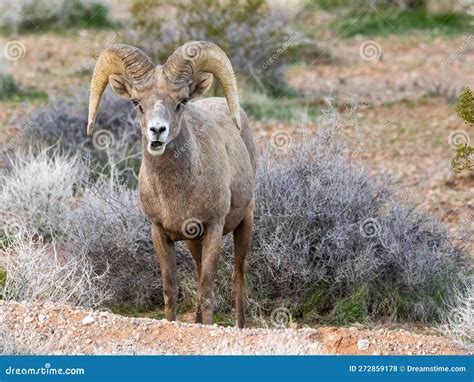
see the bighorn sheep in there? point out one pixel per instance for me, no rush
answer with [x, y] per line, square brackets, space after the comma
[197, 175]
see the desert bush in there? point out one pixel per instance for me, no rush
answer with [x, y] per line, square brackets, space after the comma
[8, 86]
[115, 148]
[42, 271]
[64, 122]
[38, 15]
[459, 320]
[464, 152]
[37, 191]
[258, 38]
[465, 107]
[333, 242]
[400, 20]
[109, 228]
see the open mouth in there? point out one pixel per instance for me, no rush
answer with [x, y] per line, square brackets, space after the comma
[156, 145]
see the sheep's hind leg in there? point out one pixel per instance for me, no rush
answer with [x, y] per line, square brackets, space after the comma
[211, 247]
[165, 251]
[242, 239]
[195, 247]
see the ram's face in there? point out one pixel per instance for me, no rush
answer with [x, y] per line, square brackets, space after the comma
[159, 109]
[159, 105]
[160, 92]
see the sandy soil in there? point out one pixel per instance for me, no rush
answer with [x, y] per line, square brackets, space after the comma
[389, 69]
[57, 329]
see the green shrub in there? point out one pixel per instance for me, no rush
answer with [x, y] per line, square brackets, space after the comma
[394, 21]
[3, 281]
[465, 108]
[463, 158]
[351, 309]
[24, 16]
[8, 86]
[464, 153]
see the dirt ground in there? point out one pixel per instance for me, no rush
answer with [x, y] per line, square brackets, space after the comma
[59, 329]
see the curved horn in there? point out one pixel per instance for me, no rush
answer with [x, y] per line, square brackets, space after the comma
[204, 56]
[116, 59]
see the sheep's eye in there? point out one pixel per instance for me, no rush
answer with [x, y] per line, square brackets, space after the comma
[184, 101]
[137, 105]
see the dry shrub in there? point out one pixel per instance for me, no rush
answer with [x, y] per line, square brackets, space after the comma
[459, 320]
[37, 191]
[335, 243]
[40, 271]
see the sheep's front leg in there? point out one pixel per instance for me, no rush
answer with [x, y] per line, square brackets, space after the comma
[165, 251]
[195, 247]
[211, 247]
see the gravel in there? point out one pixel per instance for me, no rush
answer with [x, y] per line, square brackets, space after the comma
[61, 329]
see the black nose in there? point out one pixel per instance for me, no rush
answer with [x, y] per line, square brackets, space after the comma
[157, 130]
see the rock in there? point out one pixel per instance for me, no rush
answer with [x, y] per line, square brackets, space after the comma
[28, 319]
[363, 344]
[41, 317]
[88, 320]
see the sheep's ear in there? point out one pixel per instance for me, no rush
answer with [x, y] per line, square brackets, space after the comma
[201, 84]
[121, 86]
